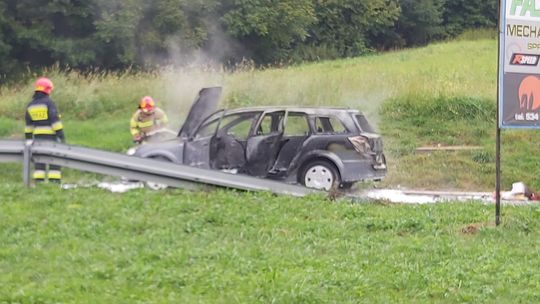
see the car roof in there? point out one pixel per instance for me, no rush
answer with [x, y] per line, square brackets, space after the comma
[307, 110]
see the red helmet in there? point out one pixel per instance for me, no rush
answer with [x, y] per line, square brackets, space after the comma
[147, 104]
[44, 85]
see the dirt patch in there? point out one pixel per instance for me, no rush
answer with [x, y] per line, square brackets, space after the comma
[472, 228]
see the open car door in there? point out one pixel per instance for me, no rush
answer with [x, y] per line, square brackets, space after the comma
[227, 147]
[197, 147]
[263, 146]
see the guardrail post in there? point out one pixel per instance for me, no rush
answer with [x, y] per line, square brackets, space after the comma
[27, 159]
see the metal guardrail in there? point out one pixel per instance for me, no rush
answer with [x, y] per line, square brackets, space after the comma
[11, 151]
[110, 163]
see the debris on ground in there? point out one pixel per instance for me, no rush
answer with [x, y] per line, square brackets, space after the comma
[440, 147]
[430, 197]
[121, 187]
[519, 192]
[471, 229]
[117, 187]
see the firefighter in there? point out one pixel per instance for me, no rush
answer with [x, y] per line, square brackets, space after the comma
[147, 120]
[43, 123]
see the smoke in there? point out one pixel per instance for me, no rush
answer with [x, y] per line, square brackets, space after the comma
[369, 102]
[196, 53]
[188, 70]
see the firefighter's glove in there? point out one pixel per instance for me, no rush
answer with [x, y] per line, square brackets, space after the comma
[137, 139]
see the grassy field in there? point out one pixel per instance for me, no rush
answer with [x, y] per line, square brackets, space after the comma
[87, 245]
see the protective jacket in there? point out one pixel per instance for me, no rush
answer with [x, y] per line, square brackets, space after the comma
[143, 123]
[42, 119]
[43, 123]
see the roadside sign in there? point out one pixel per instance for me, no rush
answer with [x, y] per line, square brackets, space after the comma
[519, 64]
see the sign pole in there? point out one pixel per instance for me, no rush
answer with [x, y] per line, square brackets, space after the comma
[498, 182]
[498, 133]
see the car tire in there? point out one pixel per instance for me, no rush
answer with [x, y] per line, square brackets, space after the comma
[320, 174]
[154, 185]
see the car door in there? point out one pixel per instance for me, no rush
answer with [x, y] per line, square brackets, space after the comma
[197, 148]
[227, 147]
[263, 146]
[295, 133]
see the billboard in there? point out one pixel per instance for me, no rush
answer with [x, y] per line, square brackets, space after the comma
[519, 66]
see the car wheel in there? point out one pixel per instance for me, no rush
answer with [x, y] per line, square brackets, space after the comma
[154, 185]
[321, 175]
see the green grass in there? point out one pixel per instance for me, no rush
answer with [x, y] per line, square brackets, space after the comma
[88, 245]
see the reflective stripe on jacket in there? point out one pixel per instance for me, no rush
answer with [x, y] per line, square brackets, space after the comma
[142, 123]
[42, 117]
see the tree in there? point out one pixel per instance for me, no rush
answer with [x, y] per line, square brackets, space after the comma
[344, 27]
[6, 61]
[46, 32]
[460, 15]
[115, 34]
[268, 29]
[421, 21]
[171, 30]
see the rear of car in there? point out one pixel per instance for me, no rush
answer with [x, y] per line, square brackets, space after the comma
[369, 162]
[373, 145]
[342, 149]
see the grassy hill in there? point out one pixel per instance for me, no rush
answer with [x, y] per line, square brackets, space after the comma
[441, 94]
[90, 246]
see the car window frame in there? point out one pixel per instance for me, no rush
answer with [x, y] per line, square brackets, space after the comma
[329, 116]
[209, 120]
[263, 114]
[242, 116]
[306, 117]
[364, 126]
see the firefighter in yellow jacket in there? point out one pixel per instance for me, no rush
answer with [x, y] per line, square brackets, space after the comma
[147, 120]
[43, 123]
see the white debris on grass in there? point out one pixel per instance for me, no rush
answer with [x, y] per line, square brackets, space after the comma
[431, 197]
[121, 187]
[398, 196]
[390, 195]
[117, 187]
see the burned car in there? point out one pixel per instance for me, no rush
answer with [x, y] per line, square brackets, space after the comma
[317, 147]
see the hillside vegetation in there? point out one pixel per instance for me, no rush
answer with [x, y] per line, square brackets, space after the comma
[87, 245]
[441, 94]
[116, 34]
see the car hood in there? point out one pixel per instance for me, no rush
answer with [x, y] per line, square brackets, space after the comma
[205, 104]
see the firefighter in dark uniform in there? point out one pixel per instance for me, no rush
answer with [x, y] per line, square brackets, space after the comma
[43, 123]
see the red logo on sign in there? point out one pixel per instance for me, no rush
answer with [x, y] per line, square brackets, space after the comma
[529, 93]
[524, 59]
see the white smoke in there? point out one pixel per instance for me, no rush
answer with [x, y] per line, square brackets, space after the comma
[188, 70]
